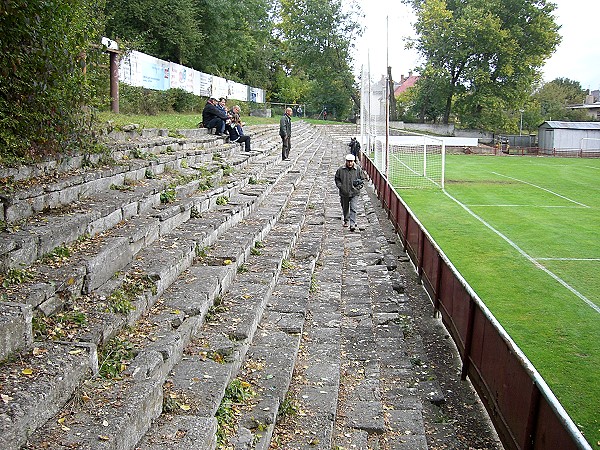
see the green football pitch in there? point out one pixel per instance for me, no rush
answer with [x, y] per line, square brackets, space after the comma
[525, 234]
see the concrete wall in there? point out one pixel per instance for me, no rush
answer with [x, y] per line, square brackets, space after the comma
[443, 130]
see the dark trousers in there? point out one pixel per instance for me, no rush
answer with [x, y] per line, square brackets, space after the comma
[285, 149]
[349, 205]
[244, 140]
[216, 123]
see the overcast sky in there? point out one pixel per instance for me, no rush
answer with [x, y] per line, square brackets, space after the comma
[577, 57]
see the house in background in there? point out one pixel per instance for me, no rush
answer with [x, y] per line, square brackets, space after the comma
[591, 105]
[405, 83]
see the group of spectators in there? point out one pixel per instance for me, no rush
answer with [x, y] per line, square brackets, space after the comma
[216, 116]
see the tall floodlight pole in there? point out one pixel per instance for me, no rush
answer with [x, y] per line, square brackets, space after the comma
[521, 125]
[387, 100]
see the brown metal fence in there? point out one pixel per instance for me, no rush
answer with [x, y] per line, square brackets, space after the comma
[525, 413]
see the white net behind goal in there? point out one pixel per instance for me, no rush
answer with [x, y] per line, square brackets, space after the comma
[416, 162]
[589, 147]
[407, 161]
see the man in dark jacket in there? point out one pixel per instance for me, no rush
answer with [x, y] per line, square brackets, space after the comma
[349, 179]
[213, 117]
[285, 131]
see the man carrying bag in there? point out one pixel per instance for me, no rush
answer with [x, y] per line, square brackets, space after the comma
[349, 179]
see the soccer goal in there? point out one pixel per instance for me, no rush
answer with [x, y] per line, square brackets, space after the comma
[589, 148]
[416, 162]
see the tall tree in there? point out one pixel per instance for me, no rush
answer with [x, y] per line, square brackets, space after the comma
[163, 29]
[489, 52]
[554, 97]
[318, 36]
[43, 50]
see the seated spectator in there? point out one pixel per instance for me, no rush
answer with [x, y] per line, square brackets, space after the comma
[235, 115]
[213, 117]
[236, 132]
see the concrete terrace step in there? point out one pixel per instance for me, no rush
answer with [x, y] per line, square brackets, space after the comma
[164, 273]
[102, 186]
[53, 286]
[101, 325]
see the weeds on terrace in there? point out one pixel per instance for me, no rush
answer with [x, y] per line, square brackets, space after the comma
[140, 154]
[121, 300]
[205, 185]
[227, 170]
[114, 357]
[16, 276]
[173, 402]
[202, 252]
[236, 394]
[168, 195]
[184, 163]
[242, 268]
[195, 213]
[222, 200]
[288, 408]
[216, 308]
[149, 174]
[121, 187]
[286, 264]
[63, 325]
[314, 286]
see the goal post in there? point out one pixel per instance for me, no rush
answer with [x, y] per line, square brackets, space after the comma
[409, 161]
[589, 147]
[417, 162]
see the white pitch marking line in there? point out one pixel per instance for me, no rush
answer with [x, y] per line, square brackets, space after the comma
[525, 255]
[543, 189]
[523, 206]
[567, 259]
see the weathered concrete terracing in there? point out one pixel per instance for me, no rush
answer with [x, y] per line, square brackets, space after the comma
[182, 294]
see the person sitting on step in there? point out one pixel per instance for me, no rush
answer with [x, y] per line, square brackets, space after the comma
[213, 117]
[236, 132]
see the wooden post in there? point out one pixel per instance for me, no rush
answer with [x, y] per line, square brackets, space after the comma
[114, 80]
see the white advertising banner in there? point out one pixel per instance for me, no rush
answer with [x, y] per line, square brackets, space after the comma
[219, 87]
[205, 82]
[257, 95]
[182, 77]
[237, 91]
[139, 69]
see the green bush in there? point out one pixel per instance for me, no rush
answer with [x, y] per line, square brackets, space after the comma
[138, 100]
[43, 85]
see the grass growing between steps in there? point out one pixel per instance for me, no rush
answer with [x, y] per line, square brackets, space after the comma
[171, 121]
[237, 393]
[177, 121]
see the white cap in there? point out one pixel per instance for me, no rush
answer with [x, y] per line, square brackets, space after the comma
[349, 157]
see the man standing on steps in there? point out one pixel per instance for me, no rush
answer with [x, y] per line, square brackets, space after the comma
[349, 179]
[285, 131]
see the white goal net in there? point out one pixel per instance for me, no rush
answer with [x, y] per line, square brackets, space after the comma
[589, 147]
[411, 161]
[416, 162]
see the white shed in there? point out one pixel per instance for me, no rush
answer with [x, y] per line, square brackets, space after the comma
[568, 136]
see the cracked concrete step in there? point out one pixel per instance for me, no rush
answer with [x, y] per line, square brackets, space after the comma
[94, 206]
[35, 386]
[150, 404]
[104, 334]
[221, 346]
[314, 388]
[84, 274]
